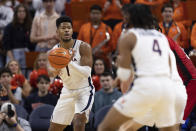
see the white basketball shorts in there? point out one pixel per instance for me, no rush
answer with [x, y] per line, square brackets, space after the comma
[72, 102]
[152, 101]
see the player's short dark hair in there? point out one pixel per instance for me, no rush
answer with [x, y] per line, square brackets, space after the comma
[167, 5]
[140, 16]
[105, 74]
[5, 70]
[63, 19]
[96, 7]
[45, 77]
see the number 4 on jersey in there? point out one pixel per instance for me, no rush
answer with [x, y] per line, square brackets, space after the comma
[156, 47]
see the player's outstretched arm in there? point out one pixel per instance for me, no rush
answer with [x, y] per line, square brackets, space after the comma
[126, 44]
[86, 55]
[85, 62]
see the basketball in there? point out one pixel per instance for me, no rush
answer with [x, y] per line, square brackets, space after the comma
[59, 58]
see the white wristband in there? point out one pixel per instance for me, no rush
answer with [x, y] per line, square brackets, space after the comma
[123, 73]
[83, 70]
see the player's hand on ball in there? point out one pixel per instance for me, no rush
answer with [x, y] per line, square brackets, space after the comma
[59, 58]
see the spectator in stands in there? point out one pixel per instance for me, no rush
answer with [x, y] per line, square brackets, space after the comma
[43, 31]
[42, 96]
[112, 11]
[99, 67]
[173, 29]
[118, 29]
[10, 121]
[12, 3]
[18, 78]
[193, 36]
[9, 92]
[38, 6]
[40, 67]
[179, 14]
[96, 33]
[107, 95]
[14, 67]
[6, 16]
[59, 6]
[41, 61]
[17, 36]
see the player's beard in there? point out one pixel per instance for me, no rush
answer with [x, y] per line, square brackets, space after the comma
[67, 40]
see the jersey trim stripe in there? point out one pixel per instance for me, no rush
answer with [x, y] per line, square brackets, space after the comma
[134, 64]
[91, 94]
[74, 43]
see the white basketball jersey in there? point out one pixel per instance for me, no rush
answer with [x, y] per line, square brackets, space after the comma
[71, 79]
[150, 56]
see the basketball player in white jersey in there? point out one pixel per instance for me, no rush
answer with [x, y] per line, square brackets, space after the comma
[181, 98]
[152, 99]
[77, 95]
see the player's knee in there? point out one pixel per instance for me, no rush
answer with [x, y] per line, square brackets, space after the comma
[79, 121]
[56, 127]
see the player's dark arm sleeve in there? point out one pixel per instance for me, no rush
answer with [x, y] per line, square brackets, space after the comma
[184, 63]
